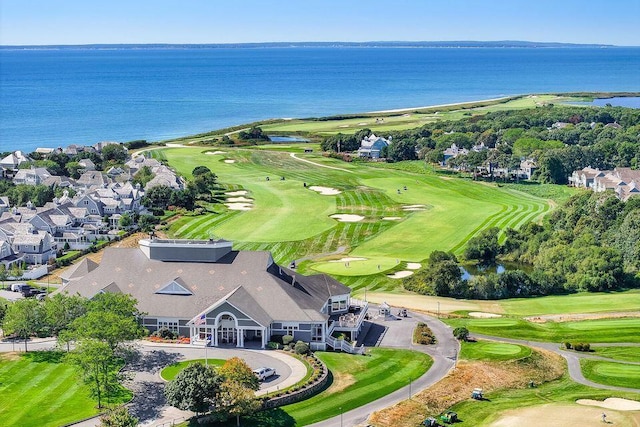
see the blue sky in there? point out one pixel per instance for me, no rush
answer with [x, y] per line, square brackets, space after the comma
[24, 22]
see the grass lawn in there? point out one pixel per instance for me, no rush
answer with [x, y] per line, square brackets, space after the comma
[484, 413]
[584, 302]
[174, 369]
[589, 331]
[625, 354]
[358, 380]
[610, 373]
[40, 389]
[494, 351]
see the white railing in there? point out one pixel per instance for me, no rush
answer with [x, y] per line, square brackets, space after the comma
[339, 344]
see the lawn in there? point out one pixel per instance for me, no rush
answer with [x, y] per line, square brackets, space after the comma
[625, 354]
[494, 351]
[358, 380]
[44, 390]
[562, 391]
[293, 221]
[174, 369]
[588, 331]
[610, 373]
[591, 302]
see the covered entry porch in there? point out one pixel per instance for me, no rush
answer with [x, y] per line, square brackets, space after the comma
[225, 329]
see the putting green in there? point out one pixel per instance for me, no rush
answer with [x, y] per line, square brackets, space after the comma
[356, 268]
[611, 373]
[487, 350]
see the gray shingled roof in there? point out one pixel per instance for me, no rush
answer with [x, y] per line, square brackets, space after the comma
[260, 288]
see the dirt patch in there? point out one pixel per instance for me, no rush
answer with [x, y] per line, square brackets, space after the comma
[581, 316]
[340, 382]
[483, 315]
[11, 356]
[612, 403]
[457, 386]
[563, 415]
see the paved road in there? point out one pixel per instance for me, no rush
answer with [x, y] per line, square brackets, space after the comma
[399, 335]
[572, 358]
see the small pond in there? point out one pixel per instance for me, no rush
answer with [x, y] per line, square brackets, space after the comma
[471, 270]
[282, 138]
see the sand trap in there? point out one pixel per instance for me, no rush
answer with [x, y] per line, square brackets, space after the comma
[174, 145]
[560, 416]
[349, 258]
[215, 153]
[325, 191]
[229, 161]
[239, 200]
[363, 124]
[413, 265]
[236, 193]
[612, 403]
[400, 274]
[414, 207]
[483, 315]
[343, 126]
[239, 206]
[392, 218]
[347, 217]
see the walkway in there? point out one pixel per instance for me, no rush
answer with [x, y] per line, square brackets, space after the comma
[572, 358]
[399, 334]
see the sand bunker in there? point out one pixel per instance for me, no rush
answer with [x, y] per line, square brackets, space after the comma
[229, 161]
[347, 217]
[414, 207]
[215, 153]
[363, 124]
[483, 315]
[236, 193]
[612, 403]
[239, 200]
[391, 218]
[561, 415]
[349, 258]
[400, 274]
[168, 144]
[239, 206]
[413, 265]
[325, 191]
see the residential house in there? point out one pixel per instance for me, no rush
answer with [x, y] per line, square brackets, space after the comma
[527, 168]
[453, 152]
[371, 146]
[11, 163]
[625, 182]
[219, 297]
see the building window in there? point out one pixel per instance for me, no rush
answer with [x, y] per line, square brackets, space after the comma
[339, 304]
[290, 329]
[316, 333]
[171, 325]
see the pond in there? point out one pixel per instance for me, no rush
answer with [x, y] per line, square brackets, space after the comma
[284, 138]
[471, 270]
[618, 101]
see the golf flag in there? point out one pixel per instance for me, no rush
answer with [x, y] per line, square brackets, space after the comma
[201, 319]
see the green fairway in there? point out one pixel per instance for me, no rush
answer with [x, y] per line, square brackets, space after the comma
[398, 224]
[610, 373]
[487, 350]
[575, 303]
[174, 369]
[625, 354]
[39, 389]
[358, 380]
[562, 391]
[589, 331]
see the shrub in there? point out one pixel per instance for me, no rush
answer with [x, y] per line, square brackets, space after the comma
[567, 345]
[577, 346]
[287, 339]
[586, 347]
[166, 334]
[273, 345]
[301, 347]
[461, 333]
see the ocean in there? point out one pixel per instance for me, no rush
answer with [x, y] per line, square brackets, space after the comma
[51, 98]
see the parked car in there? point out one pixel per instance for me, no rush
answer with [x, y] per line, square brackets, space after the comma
[264, 373]
[17, 287]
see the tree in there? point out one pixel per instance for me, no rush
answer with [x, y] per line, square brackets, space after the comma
[125, 220]
[143, 176]
[118, 417]
[195, 388]
[73, 169]
[147, 222]
[23, 318]
[461, 333]
[484, 247]
[98, 365]
[237, 370]
[114, 153]
[158, 197]
[4, 274]
[404, 149]
[235, 399]
[61, 310]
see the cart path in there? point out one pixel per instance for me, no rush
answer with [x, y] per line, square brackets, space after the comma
[572, 358]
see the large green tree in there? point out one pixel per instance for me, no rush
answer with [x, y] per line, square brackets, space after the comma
[196, 388]
[24, 318]
[98, 365]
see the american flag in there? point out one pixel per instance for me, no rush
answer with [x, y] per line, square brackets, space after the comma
[201, 319]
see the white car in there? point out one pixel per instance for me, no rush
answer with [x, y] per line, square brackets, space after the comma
[264, 373]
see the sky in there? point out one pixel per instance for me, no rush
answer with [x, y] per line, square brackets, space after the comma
[42, 22]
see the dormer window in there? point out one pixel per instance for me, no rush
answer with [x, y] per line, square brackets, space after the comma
[174, 288]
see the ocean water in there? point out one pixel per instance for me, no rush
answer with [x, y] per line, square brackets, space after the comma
[52, 98]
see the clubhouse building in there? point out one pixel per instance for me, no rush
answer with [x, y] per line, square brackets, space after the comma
[205, 290]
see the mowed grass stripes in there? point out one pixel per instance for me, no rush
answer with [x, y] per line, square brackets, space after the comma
[38, 389]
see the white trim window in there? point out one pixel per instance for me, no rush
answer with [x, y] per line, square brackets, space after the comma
[171, 325]
[290, 329]
[339, 303]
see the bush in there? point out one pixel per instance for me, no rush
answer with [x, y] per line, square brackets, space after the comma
[577, 346]
[273, 345]
[166, 334]
[301, 347]
[586, 347]
[461, 333]
[287, 339]
[567, 345]
[423, 334]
